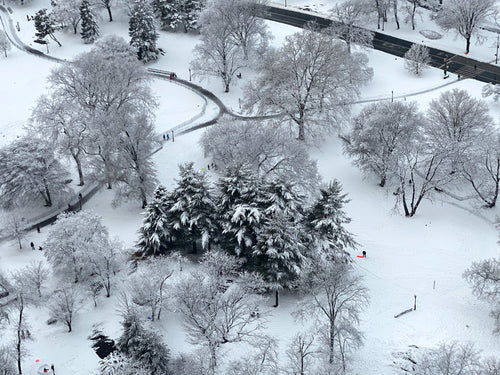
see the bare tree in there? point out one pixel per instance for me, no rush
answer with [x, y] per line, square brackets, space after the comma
[491, 89]
[351, 14]
[465, 17]
[490, 366]
[484, 278]
[7, 360]
[420, 171]
[65, 303]
[110, 89]
[218, 54]
[31, 170]
[215, 313]
[58, 119]
[248, 30]
[66, 13]
[417, 58]
[263, 361]
[456, 121]
[4, 43]
[412, 9]
[310, 80]
[395, 11]
[148, 284]
[17, 308]
[481, 168]
[449, 359]
[378, 135]
[15, 227]
[381, 7]
[336, 296]
[301, 353]
[107, 4]
[267, 148]
[31, 279]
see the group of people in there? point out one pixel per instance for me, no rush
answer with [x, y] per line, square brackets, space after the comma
[33, 246]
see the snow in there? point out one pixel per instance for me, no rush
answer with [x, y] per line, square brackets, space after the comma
[404, 256]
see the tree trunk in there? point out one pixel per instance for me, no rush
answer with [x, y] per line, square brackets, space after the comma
[79, 168]
[382, 180]
[108, 8]
[48, 199]
[467, 45]
[331, 343]
[213, 358]
[144, 198]
[302, 136]
[276, 298]
[395, 8]
[69, 326]
[19, 338]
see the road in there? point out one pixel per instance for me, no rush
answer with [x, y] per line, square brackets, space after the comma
[466, 67]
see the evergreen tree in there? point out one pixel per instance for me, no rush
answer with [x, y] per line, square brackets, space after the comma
[325, 220]
[44, 25]
[168, 12]
[90, 28]
[190, 13]
[279, 251]
[143, 346]
[193, 207]
[142, 31]
[239, 211]
[155, 235]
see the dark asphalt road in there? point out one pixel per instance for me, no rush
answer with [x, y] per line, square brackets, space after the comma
[466, 67]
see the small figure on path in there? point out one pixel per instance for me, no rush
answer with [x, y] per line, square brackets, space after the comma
[38, 228]
[40, 248]
[53, 370]
[238, 75]
[475, 67]
[32, 246]
[364, 254]
[163, 136]
[168, 138]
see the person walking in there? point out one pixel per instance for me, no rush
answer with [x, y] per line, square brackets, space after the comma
[32, 246]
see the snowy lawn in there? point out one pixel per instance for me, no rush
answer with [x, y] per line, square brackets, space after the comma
[405, 256]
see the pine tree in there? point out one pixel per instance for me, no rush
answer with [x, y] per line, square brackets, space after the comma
[90, 28]
[155, 235]
[143, 346]
[279, 251]
[325, 220]
[167, 11]
[190, 14]
[239, 210]
[193, 208]
[142, 31]
[44, 25]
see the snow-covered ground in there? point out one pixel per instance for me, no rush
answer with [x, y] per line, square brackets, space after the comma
[405, 256]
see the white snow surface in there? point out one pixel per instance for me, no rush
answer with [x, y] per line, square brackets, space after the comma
[404, 256]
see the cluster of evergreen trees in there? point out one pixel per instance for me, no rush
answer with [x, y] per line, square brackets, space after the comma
[266, 223]
[178, 13]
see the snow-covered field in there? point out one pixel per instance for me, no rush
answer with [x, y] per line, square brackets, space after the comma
[405, 256]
